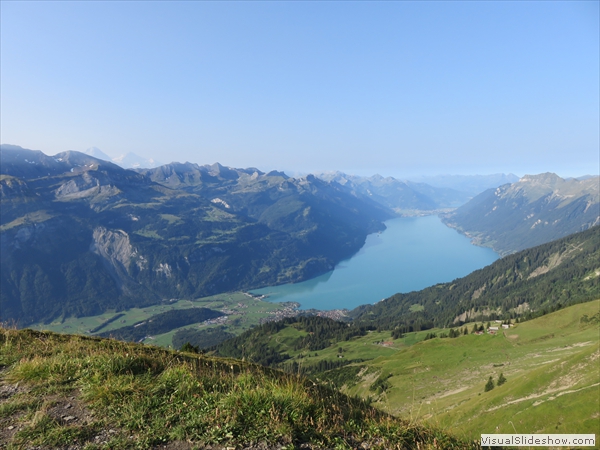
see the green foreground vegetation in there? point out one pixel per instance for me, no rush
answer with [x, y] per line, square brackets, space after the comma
[548, 367]
[73, 391]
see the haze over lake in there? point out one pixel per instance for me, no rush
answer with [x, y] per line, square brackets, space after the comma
[411, 254]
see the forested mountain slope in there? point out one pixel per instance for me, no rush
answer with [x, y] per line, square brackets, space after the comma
[81, 235]
[530, 212]
[543, 278]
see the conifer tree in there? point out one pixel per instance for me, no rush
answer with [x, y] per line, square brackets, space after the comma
[501, 379]
[489, 385]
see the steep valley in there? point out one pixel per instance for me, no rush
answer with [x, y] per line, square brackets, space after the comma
[81, 236]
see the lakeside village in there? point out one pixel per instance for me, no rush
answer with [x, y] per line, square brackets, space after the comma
[289, 309]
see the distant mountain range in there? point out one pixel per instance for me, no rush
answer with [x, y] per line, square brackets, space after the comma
[404, 197]
[470, 185]
[420, 194]
[127, 161]
[534, 210]
[80, 235]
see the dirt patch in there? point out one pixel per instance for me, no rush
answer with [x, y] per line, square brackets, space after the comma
[569, 347]
[455, 391]
[69, 410]
[7, 430]
[9, 424]
[8, 390]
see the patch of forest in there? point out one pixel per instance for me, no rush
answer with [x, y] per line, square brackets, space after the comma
[162, 323]
[201, 339]
[255, 344]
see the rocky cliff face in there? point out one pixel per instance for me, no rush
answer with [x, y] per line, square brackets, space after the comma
[117, 253]
[86, 185]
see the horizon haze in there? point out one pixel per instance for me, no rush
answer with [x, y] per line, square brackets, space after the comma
[399, 89]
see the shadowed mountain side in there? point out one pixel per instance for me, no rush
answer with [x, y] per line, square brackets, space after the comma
[92, 236]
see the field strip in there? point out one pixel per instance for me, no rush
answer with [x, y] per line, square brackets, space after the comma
[532, 396]
[580, 344]
[455, 391]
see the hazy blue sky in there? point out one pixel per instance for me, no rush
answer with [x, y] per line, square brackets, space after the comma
[396, 88]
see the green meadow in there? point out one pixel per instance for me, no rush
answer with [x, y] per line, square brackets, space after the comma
[551, 365]
[71, 391]
[243, 312]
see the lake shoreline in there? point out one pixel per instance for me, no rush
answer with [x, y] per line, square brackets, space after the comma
[412, 253]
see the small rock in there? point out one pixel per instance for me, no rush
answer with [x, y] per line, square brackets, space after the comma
[68, 406]
[111, 431]
[11, 427]
[68, 418]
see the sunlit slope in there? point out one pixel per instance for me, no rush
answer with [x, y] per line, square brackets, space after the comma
[534, 210]
[68, 391]
[551, 365]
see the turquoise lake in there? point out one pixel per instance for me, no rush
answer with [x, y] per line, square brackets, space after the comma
[411, 254]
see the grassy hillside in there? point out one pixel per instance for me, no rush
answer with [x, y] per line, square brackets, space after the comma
[551, 365]
[66, 391]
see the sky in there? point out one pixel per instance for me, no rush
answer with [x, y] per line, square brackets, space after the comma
[395, 88]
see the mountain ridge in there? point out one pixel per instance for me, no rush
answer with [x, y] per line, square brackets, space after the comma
[534, 210]
[81, 235]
